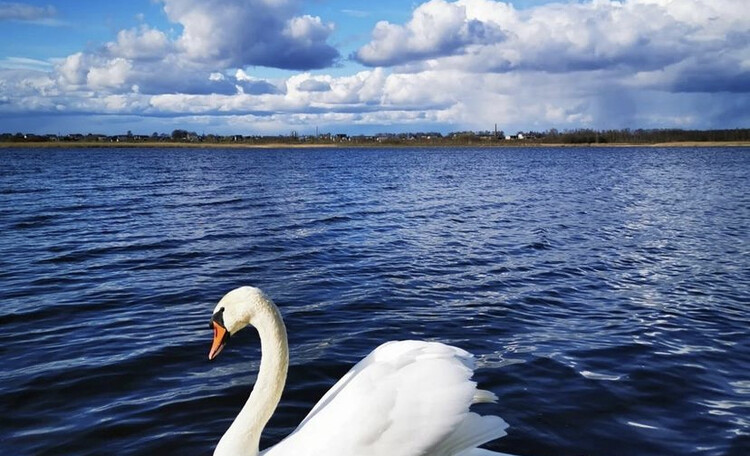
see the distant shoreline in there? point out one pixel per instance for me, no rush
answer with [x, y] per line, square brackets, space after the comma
[281, 145]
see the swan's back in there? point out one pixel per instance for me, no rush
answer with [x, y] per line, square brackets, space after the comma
[406, 398]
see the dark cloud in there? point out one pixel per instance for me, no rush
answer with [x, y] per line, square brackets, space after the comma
[199, 83]
[712, 73]
[700, 80]
[313, 85]
[259, 88]
[734, 113]
[192, 85]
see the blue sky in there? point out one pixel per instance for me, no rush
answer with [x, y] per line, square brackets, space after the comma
[273, 66]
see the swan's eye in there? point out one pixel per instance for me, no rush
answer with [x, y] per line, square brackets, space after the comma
[218, 317]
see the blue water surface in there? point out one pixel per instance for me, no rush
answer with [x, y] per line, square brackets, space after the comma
[605, 292]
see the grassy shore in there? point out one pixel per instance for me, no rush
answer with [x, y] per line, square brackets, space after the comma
[153, 145]
[281, 145]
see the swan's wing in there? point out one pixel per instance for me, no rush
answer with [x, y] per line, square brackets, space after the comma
[405, 398]
[481, 452]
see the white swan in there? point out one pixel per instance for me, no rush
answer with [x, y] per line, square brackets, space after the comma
[406, 398]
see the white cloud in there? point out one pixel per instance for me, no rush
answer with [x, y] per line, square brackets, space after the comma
[25, 63]
[466, 64]
[217, 35]
[25, 12]
[251, 32]
[636, 35]
[247, 84]
[437, 28]
[72, 71]
[598, 63]
[114, 73]
[143, 43]
[307, 29]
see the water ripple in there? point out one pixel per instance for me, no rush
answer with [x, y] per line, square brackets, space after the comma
[603, 291]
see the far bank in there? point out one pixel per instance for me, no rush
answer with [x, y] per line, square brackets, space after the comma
[381, 145]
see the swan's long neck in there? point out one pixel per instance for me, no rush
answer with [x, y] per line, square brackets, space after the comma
[243, 436]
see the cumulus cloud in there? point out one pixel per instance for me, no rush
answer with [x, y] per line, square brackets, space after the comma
[362, 92]
[464, 64]
[114, 73]
[216, 36]
[628, 35]
[143, 43]
[251, 32]
[25, 12]
[380, 100]
[103, 73]
[437, 28]
[247, 84]
[72, 71]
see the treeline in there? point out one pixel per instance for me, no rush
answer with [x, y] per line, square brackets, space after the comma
[639, 136]
[553, 136]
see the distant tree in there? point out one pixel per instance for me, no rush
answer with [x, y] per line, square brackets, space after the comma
[179, 134]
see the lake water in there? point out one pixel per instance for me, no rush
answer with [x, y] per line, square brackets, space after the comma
[605, 292]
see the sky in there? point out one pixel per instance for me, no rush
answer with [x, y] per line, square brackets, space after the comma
[263, 67]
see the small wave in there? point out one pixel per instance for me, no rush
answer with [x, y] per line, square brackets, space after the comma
[36, 221]
[597, 376]
[641, 425]
[603, 307]
[96, 252]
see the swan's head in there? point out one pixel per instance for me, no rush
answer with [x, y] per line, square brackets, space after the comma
[234, 311]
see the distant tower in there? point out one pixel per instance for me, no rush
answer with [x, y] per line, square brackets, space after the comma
[495, 131]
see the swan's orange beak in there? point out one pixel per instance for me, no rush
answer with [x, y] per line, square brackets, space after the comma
[220, 339]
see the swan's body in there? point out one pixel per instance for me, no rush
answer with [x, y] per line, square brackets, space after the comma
[406, 398]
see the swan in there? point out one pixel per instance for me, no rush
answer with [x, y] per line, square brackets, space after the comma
[406, 398]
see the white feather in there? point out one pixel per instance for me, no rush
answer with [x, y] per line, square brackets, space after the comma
[406, 398]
